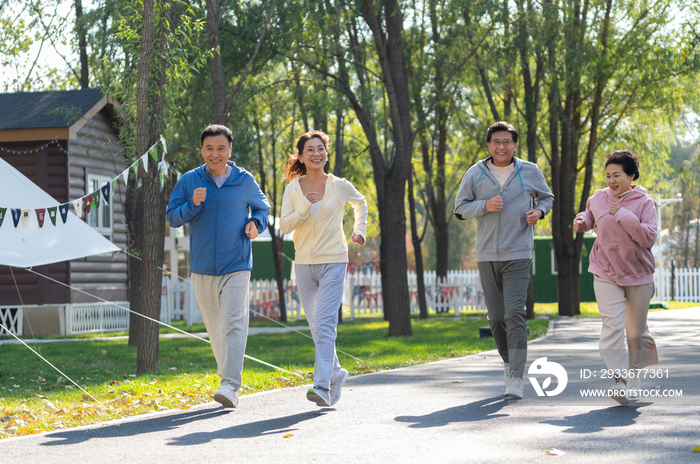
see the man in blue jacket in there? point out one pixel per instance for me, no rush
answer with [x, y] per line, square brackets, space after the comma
[507, 196]
[226, 210]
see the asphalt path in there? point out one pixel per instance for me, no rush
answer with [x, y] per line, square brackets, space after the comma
[451, 411]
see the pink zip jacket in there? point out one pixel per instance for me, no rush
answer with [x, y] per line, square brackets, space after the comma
[622, 251]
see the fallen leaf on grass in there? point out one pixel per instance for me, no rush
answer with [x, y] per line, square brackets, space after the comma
[555, 452]
[696, 448]
[41, 380]
[287, 436]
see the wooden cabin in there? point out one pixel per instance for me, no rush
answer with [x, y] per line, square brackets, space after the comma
[66, 142]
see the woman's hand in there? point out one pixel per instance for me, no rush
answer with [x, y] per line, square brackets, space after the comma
[614, 208]
[359, 239]
[579, 225]
[312, 197]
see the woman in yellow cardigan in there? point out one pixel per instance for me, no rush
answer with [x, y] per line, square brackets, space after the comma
[313, 207]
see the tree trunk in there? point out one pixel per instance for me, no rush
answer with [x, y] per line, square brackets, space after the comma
[215, 65]
[418, 252]
[82, 45]
[133, 209]
[150, 125]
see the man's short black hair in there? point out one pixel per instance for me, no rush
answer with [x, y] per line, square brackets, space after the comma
[502, 126]
[217, 129]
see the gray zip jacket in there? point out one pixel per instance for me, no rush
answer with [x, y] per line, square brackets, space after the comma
[504, 235]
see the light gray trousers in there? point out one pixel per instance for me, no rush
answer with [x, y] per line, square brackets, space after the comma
[624, 311]
[321, 293]
[224, 304]
[505, 291]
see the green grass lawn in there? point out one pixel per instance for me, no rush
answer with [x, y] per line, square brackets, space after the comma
[35, 398]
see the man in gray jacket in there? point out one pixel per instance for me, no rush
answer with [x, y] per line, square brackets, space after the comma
[507, 196]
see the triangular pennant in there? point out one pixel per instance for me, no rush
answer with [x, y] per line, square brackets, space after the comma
[154, 153]
[3, 212]
[87, 201]
[165, 147]
[78, 207]
[144, 160]
[96, 199]
[125, 175]
[162, 182]
[25, 218]
[105, 191]
[16, 215]
[165, 168]
[63, 209]
[52, 214]
[136, 169]
[40, 216]
[179, 174]
[114, 184]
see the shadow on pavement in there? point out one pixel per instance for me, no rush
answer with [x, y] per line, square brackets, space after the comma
[472, 412]
[600, 419]
[250, 430]
[165, 423]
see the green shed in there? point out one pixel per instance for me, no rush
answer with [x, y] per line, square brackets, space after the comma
[546, 272]
[263, 266]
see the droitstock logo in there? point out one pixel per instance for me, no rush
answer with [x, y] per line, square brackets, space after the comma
[541, 366]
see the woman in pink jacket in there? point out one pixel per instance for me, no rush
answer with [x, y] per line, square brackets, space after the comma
[623, 266]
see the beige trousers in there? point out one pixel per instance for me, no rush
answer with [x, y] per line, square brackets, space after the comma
[224, 304]
[624, 311]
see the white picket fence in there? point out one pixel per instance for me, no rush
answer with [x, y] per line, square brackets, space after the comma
[11, 318]
[460, 291]
[686, 285]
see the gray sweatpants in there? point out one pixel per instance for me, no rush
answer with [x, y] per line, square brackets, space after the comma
[624, 312]
[321, 293]
[224, 304]
[505, 291]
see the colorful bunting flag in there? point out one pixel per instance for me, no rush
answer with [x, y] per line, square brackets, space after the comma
[125, 175]
[3, 211]
[87, 201]
[105, 191]
[40, 216]
[25, 218]
[78, 207]
[16, 215]
[63, 209]
[96, 199]
[144, 160]
[154, 153]
[52, 214]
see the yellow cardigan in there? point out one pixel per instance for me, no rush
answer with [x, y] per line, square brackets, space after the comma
[323, 241]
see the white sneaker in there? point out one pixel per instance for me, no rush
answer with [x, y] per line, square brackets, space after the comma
[633, 387]
[227, 396]
[506, 376]
[338, 385]
[619, 392]
[515, 389]
[319, 396]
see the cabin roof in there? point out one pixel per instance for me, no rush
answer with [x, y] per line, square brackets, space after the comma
[55, 108]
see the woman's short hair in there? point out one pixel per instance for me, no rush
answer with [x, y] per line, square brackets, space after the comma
[626, 159]
[293, 167]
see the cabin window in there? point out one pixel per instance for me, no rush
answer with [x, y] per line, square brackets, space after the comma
[100, 218]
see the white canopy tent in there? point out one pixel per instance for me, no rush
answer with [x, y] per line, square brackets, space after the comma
[35, 246]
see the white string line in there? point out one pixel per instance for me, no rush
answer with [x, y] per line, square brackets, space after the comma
[256, 312]
[59, 371]
[159, 322]
[21, 301]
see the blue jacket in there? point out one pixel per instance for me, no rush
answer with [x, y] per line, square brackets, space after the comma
[218, 243]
